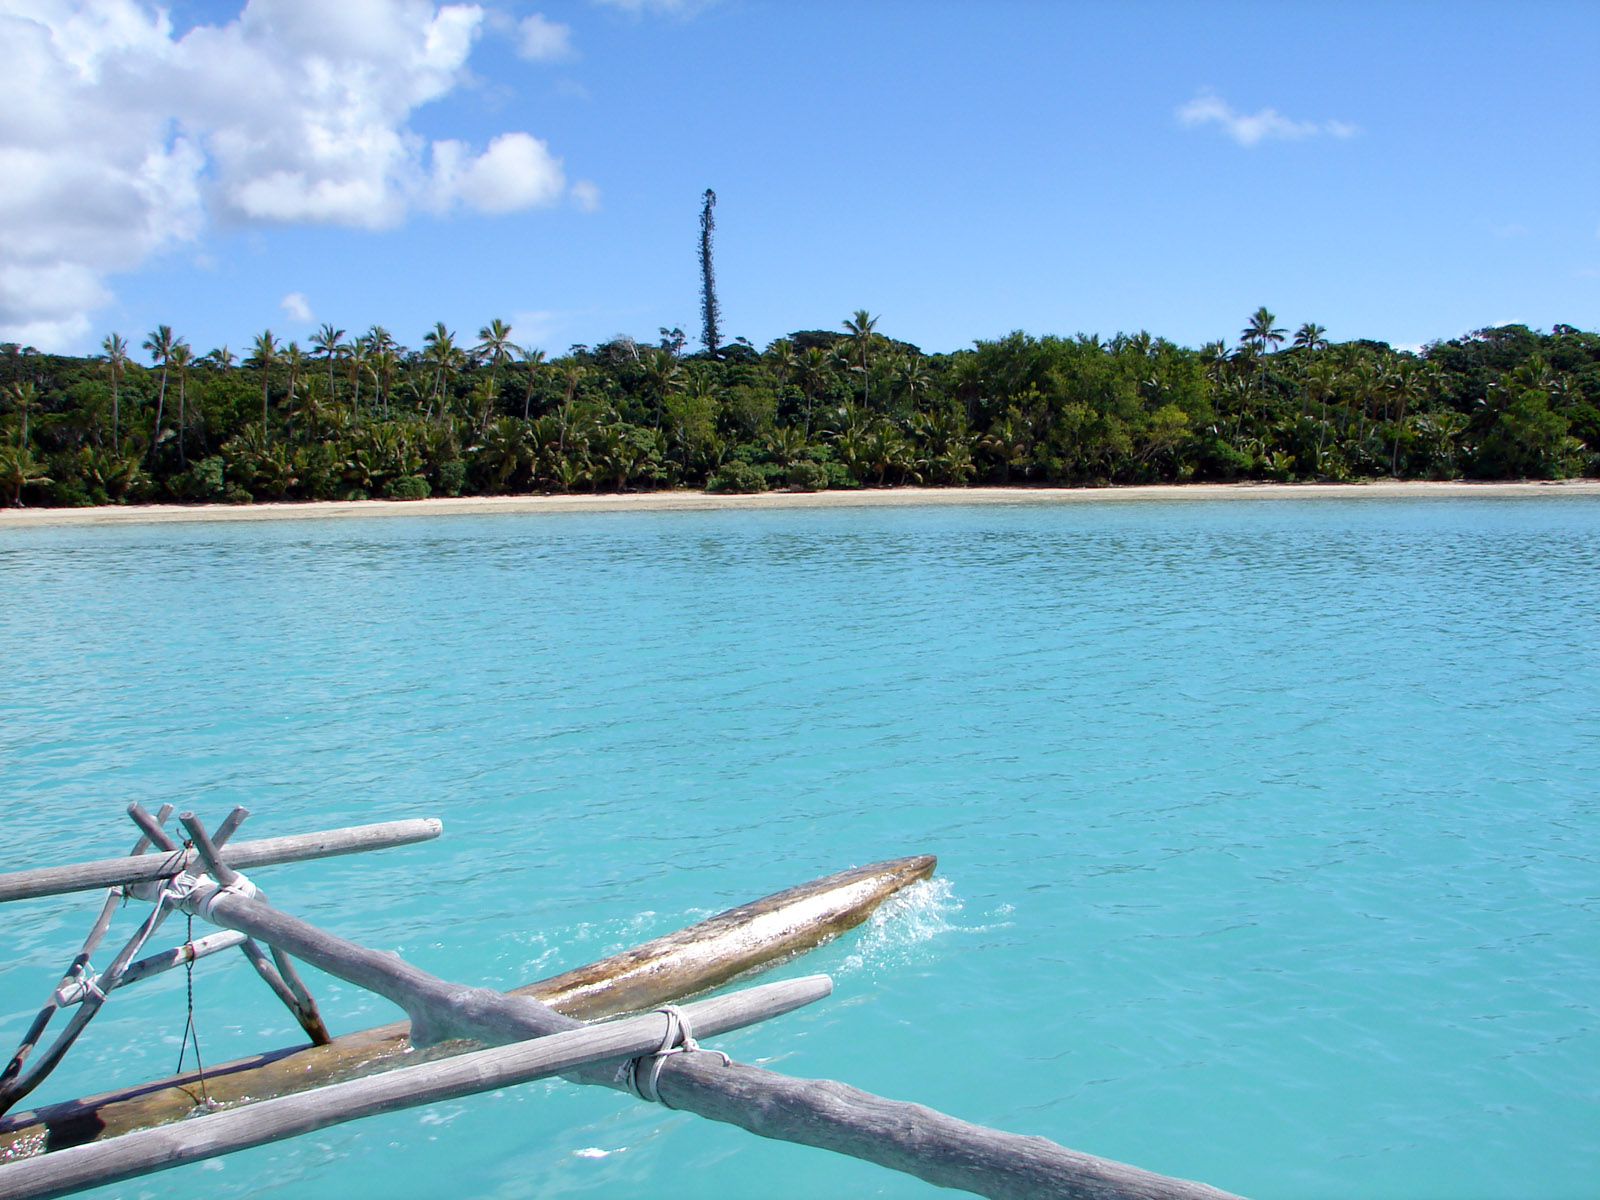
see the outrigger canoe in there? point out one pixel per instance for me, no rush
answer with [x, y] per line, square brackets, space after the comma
[669, 968]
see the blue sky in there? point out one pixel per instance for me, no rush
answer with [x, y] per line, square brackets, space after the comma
[1399, 171]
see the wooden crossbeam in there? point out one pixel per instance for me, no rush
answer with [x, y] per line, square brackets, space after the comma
[214, 1134]
[295, 847]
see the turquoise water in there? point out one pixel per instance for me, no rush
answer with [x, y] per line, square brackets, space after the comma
[1267, 830]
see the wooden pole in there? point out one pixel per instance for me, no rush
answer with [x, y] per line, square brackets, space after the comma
[209, 858]
[230, 824]
[663, 970]
[118, 872]
[218, 1133]
[300, 1005]
[18, 1082]
[904, 1137]
[74, 974]
[282, 978]
[152, 826]
[75, 991]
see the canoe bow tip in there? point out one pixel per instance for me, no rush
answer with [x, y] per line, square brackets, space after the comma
[917, 866]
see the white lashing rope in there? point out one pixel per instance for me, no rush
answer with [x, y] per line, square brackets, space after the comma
[180, 888]
[183, 886]
[642, 1073]
[239, 887]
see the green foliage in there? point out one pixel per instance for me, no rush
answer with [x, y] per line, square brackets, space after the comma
[450, 476]
[737, 477]
[841, 408]
[204, 480]
[408, 487]
[806, 476]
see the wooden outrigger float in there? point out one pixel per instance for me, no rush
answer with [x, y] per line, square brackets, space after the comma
[533, 1032]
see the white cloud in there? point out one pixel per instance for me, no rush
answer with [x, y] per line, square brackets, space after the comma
[516, 171]
[586, 195]
[678, 8]
[542, 40]
[119, 140]
[296, 307]
[1248, 129]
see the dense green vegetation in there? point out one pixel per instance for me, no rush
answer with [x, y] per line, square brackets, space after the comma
[819, 409]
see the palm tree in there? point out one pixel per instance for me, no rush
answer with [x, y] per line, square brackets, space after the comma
[1311, 337]
[262, 356]
[360, 350]
[1261, 332]
[181, 358]
[571, 377]
[860, 327]
[503, 451]
[912, 375]
[26, 397]
[19, 469]
[441, 354]
[383, 364]
[665, 374]
[328, 343]
[160, 344]
[494, 344]
[1405, 385]
[783, 360]
[295, 359]
[533, 359]
[813, 367]
[116, 349]
[1319, 385]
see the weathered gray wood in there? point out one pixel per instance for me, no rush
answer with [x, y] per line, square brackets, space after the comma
[910, 1137]
[17, 1085]
[143, 843]
[904, 1137]
[218, 1133]
[297, 1001]
[722, 947]
[230, 825]
[305, 1006]
[73, 977]
[117, 872]
[152, 826]
[209, 857]
[661, 971]
[74, 991]
[279, 974]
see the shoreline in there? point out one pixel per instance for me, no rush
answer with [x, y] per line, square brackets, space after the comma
[687, 501]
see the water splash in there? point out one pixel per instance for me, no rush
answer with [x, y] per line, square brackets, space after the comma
[906, 924]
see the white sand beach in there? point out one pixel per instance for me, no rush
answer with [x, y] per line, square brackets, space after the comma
[677, 501]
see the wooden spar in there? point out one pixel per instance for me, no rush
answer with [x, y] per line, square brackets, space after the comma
[117, 872]
[76, 972]
[919, 1141]
[666, 969]
[20, 1079]
[74, 991]
[224, 1132]
[904, 1137]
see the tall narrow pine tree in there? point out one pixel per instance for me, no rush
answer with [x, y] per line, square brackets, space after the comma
[708, 278]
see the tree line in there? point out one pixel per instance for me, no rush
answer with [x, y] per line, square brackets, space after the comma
[352, 417]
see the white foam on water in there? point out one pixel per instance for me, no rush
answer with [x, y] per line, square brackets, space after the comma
[910, 921]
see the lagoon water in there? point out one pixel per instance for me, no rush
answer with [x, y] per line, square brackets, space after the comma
[1269, 851]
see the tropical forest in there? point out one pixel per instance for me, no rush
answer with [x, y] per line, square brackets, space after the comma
[152, 419]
